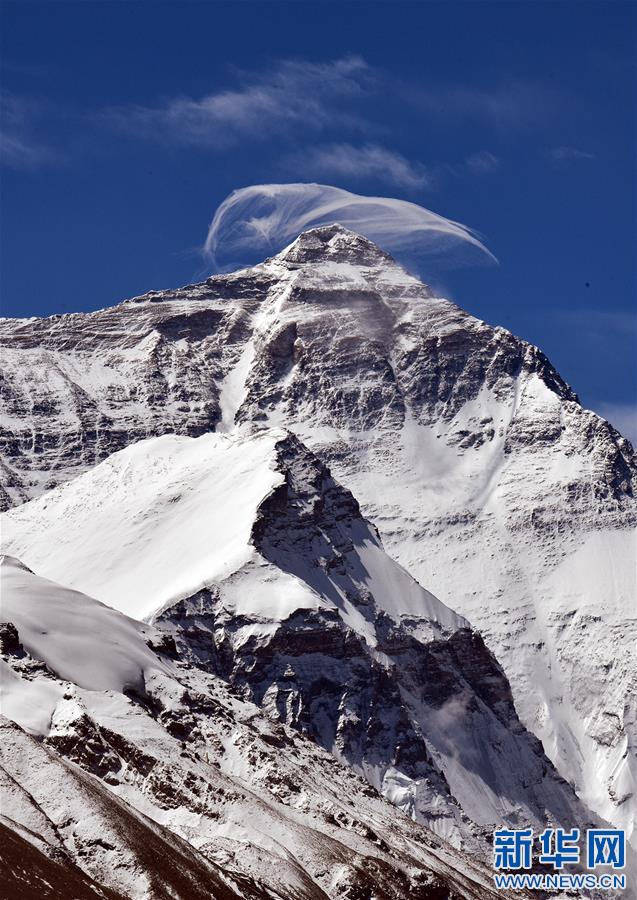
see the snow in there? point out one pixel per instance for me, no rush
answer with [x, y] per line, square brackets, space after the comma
[136, 531]
[554, 600]
[461, 519]
[605, 616]
[400, 595]
[81, 640]
[153, 523]
[165, 517]
[563, 629]
[29, 703]
[266, 595]
[233, 389]
[230, 786]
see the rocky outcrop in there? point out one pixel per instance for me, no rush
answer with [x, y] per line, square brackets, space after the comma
[203, 796]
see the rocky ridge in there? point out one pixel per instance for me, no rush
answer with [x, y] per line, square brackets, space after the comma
[145, 777]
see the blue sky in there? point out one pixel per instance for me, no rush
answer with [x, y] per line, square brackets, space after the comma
[127, 123]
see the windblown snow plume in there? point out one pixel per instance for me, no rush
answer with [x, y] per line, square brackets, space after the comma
[260, 220]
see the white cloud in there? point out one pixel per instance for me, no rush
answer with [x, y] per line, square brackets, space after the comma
[20, 153]
[257, 221]
[360, 163]
[295, 92]
[19, 147]
[482, 163]
[623, 416]
[519, 105]
[565, 154]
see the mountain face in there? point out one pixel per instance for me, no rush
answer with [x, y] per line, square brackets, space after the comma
[466, 450]
[259, 568]
[126, 772]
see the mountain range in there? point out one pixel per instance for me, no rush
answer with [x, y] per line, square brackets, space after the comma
[312, 579]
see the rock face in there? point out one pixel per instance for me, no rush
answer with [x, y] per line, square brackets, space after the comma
[137, 775]
[482, 472]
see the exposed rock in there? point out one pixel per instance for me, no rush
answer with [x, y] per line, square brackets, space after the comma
[237, 807]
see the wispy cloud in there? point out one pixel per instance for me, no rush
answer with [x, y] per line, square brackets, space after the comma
[372, 162]
[324, 96]
[564, 154]
[261, 219]
[518, 105]
[331, 107]
[482, 163]
[369, 162]
[294, 92]
[20, 148]
[623, 416]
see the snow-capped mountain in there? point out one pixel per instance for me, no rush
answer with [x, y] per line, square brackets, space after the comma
[127, 773]
[485, 477]
[245, 552]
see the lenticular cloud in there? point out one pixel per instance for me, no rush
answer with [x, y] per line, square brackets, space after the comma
[260, 220]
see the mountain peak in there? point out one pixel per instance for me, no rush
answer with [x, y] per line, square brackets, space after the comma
[335, 243]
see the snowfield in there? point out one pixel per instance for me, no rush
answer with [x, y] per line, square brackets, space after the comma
[154, 523]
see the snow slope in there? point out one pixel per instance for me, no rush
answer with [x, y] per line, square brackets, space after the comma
[98, 536]
[82, 642]
[159, 521]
